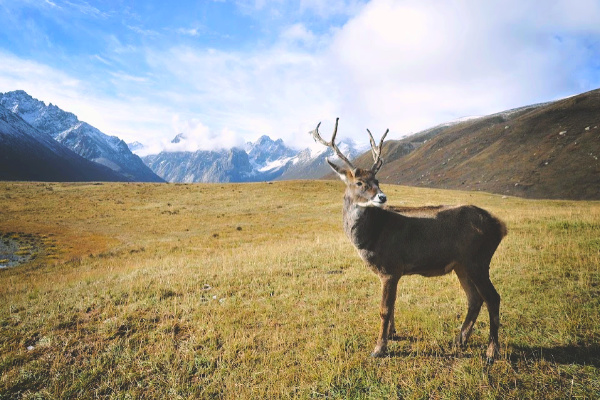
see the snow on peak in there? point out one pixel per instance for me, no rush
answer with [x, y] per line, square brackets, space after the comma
[135, 146]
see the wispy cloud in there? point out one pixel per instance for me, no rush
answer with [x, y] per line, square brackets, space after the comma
[30, 75]
[85, 8]
[121, 76]
[144, 32]
[101, 59]
[189, 31]
[50, 3]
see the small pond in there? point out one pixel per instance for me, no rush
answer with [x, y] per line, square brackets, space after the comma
[13, 252]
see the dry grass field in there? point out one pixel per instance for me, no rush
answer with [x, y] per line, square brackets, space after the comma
[239, 291]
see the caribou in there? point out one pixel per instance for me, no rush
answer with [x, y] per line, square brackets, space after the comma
[428, 241]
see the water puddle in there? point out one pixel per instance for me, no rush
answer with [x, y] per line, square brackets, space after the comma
[16, 250]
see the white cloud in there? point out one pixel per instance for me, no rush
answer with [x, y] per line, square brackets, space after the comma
[298, 33]
[275, 92]
[33, 77]
[197, 136]
[194, 32]
[418, 63]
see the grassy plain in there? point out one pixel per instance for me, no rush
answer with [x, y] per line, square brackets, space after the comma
[252, 291]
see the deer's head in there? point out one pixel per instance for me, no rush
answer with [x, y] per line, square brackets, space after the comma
[362, 188]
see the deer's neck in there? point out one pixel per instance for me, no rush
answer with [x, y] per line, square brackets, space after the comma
[362, 225]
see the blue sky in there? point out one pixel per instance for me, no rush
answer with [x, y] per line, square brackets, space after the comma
[225, 72]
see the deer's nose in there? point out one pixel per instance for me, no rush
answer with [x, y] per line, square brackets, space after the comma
[382, 198]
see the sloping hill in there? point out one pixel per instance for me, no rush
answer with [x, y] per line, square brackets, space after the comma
[31, 155]
[549, 150]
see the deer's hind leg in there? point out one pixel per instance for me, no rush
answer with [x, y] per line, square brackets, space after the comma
[389, 287]
[492, 301]
[475, 301]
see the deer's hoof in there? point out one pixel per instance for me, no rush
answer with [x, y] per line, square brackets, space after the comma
[461, 339]
[379, 353]
[492, 353]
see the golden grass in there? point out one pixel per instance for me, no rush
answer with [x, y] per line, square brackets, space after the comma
[252, 291]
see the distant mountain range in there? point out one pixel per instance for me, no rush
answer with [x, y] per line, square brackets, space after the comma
[264, 160]
[80, 137]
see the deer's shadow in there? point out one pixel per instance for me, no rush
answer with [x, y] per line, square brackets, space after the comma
[569, 354]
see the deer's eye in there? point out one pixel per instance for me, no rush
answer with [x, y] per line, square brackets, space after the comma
[359, 183]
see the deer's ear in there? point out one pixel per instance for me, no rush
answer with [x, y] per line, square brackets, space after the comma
[341, 172]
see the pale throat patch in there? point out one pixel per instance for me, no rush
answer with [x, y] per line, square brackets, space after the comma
[369, 203]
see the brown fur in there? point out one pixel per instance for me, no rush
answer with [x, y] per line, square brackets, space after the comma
[428, 241]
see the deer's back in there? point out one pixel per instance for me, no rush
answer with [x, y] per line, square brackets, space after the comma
[432, 240]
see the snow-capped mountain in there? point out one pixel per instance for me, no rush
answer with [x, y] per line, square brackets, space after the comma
[265, 159]
[310, 163]
[28, 154]
[201, 166]
[266, 151]
[227, 165]
[135, 146]
[78, 136]
[269, 158]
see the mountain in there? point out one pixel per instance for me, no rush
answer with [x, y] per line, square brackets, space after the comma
[135, 146]
[269, 158]
[202, 166]
[263, 160]
[78, 136]
[267, 151]
[30, 155]
[548, 150]
[311, 164]
[179, 138]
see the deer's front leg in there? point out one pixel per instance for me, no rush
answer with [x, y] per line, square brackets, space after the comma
[389, 286]
[392, 327]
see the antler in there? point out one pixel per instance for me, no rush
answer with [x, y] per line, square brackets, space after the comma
[317, 137]
[376, 151]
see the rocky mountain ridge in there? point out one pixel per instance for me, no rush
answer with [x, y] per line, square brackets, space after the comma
[30, 155]
[80, 137]
[263, 160]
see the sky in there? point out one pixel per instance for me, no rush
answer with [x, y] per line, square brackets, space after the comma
[226, 72]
